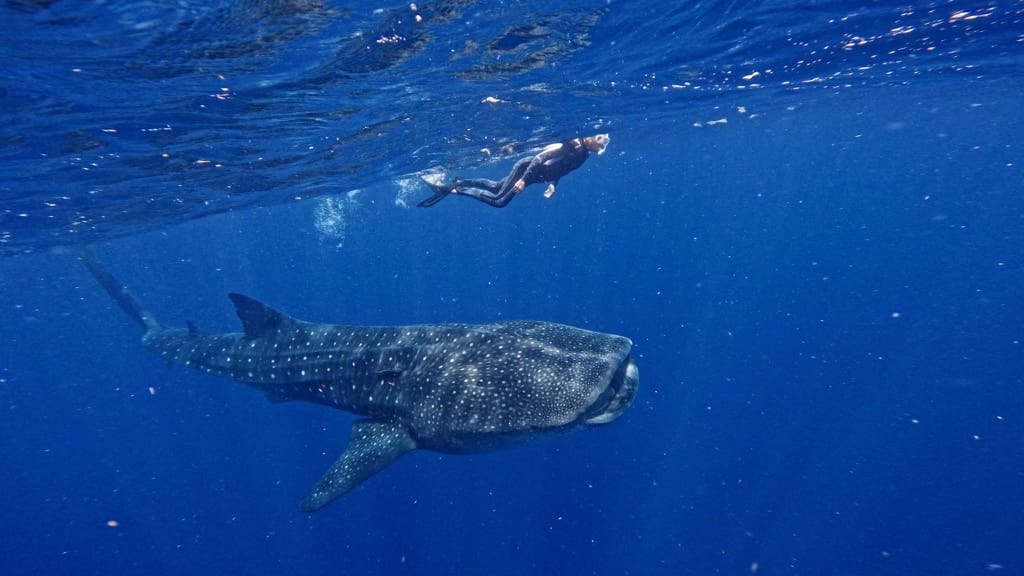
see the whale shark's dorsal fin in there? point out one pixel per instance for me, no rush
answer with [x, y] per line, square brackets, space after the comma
[258, 319]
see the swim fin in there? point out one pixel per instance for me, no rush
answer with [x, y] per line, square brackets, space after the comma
[441, 191]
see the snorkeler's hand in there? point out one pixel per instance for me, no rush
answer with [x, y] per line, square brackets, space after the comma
[519, 185]
[550, 191]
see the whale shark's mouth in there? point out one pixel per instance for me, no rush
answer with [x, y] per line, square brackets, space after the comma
[616, 397]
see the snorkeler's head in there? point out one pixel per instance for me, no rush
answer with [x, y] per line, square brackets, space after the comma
[597, 143]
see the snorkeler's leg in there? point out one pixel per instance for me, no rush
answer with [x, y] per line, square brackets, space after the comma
[512, 185]
[491, 186]
[486, 191]
[485, 196]
[494, 193]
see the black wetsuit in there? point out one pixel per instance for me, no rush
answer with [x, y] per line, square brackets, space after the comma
[544, 167]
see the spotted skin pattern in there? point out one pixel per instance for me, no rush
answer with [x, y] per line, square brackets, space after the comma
[454, 388]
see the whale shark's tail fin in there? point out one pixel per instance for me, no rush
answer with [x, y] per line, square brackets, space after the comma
[118, 291]
[441, 191]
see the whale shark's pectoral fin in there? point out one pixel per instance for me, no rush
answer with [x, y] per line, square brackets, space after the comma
[374, 445]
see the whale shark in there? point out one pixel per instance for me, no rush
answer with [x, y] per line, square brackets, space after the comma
[449, 388]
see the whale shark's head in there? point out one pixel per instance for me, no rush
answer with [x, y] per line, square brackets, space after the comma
[617, 396]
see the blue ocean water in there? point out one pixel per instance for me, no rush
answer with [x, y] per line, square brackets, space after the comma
[809, 220]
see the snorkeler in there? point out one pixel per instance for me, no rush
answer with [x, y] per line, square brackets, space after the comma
[553, 162]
